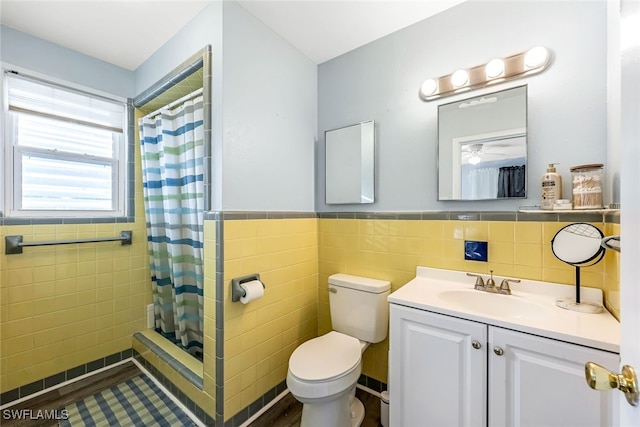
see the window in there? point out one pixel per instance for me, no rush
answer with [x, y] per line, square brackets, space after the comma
[65, 151]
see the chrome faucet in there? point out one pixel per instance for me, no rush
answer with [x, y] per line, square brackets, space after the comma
[490, 284]
[479, 281]
[504, 286]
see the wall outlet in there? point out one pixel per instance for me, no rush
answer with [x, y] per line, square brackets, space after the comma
[476, 251]
[151, 318]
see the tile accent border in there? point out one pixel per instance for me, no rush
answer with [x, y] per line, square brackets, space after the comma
[178, 366]
[175, 391]
[39, 221]
[576, 216]
[219, 310]
[53, 380]
[372, 383]
[246, 413]
[239, 215]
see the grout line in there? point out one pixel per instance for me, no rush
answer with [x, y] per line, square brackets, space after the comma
[180, 405]
[265, 408]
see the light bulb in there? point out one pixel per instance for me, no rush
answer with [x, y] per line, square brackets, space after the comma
[459, 78]
[429, 87]
[536, 57]
[494, 68]
[474, 160]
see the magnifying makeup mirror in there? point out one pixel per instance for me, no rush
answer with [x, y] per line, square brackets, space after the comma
[578, 245]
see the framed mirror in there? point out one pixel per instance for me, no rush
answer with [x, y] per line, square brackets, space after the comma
[482, 147]
[350, 164]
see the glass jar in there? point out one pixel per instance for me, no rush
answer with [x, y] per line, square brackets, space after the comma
[587, 186]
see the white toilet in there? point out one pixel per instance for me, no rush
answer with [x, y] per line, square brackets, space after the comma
[323, 372]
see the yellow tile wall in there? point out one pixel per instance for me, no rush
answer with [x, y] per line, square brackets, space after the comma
[391, 250]
[611, 284]
[63, 306]
[260, 336]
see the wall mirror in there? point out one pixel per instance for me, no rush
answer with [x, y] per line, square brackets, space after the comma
[482, 147]
[350, 154]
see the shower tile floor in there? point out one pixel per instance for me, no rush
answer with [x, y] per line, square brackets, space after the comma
[121, 396]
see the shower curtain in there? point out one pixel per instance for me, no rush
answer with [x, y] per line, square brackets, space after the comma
[172, 151]
[480, 183]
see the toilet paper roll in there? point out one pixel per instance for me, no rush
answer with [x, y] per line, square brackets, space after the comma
[253, 290]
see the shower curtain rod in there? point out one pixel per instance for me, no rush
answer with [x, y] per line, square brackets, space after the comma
[174, 103]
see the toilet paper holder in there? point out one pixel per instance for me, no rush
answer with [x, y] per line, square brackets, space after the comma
[236, 290]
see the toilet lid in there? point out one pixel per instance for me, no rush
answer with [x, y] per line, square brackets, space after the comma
[326, 357]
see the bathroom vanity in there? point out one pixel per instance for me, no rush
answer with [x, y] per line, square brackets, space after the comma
[465, 357]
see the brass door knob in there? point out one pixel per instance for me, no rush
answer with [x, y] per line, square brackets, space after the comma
[600, 378]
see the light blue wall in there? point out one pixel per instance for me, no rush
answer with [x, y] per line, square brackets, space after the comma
[567, 103]
[25, 51]
[270, 111]
[205, 29]
[264, 109]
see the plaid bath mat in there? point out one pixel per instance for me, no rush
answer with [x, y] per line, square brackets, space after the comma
[137, 402]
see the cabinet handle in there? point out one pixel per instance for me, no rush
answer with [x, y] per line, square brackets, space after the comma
[498, 351]
[476, 345]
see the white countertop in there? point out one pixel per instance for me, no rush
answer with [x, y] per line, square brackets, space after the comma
[429, 288]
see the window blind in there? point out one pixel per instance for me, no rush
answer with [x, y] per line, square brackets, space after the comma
[68, 149]
[26, 94]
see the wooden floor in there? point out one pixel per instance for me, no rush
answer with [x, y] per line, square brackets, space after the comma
[61, 397]
[287, 412]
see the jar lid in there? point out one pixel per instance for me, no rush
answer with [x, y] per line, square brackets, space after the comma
[586, 167]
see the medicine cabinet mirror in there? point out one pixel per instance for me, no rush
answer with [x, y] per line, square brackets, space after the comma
[350, 164]
[482, 147]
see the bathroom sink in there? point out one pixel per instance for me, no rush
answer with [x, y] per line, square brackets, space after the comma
[508, 306]
[530, 308]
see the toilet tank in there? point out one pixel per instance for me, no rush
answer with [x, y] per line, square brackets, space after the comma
[359, 306]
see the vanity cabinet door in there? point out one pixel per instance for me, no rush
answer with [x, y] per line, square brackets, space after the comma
[538, 381]
[437, 370]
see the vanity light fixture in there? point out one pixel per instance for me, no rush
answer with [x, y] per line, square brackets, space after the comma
[494, 68]
[429, 87]
[459, 78]
[535, 57]
[535, 60]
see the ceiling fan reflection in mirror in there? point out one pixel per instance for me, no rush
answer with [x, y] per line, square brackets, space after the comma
[482, 152]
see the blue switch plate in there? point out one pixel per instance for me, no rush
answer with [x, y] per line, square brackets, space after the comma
[475, 251]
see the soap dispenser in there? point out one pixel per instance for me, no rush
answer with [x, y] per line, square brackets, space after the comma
[551, 187]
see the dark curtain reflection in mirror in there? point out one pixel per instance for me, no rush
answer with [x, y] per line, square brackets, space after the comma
[511, 181]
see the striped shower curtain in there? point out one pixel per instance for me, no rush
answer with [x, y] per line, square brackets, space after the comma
[172, 151]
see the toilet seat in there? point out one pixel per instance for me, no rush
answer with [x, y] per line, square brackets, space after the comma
[325, 358]
[324, 366]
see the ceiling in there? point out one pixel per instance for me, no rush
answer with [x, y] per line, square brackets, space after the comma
[111, 30]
